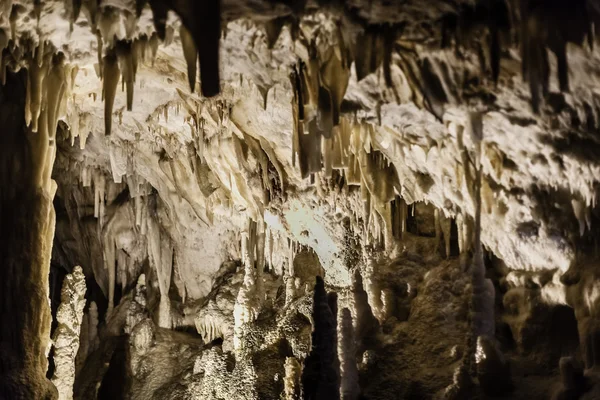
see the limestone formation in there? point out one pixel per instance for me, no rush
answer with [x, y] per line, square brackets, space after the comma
[431, 165]
[66, 336]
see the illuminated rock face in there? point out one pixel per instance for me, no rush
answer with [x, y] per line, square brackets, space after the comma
[206, 162]
[66, 335]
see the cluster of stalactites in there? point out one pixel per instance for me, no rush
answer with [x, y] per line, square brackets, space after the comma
[200, 33]
[50, 81]
[229, 178]
[348, 154]
[210, 325]
[161, 254]
[114, 220]
[539, 27]
[319, 87]
[551, 25]
[197, 122]
[139, 189]
[253, 251]
[120, 62]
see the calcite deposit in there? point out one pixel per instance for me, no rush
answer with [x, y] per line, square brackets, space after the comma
[299, 199]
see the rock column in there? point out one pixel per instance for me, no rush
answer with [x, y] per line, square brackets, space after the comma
[27, 221]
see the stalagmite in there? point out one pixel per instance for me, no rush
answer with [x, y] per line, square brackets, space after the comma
[110, 265]
[122, 266]
[260, 255]
[483, 289]
[248, 301]
[573, 382]
[446, 226]
[438, 226]
[220, 185]
[83, 344]
[364, 319]
[293, 371]
[66, 335]
[4, 38]
[93, 326]
[320, 380]
[349, 387]
[111, 75]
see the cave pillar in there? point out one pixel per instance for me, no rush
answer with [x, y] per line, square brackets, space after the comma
[27, 221]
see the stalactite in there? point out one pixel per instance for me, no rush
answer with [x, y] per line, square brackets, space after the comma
[334, 75]
[99, 49]
[349, 388]
[125, 59]
[66, 335]
[190, 54]
[273, 29]
[35, 88]
[203, 21]
[153, 43]
[160, 254]
[582, 214]
[550, 26]
[309, 150]
[111, 75]
[368, 52]
[310, 82]
[99, 196]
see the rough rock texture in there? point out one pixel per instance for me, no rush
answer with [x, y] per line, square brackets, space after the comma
[433, 164]
[66, 335]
